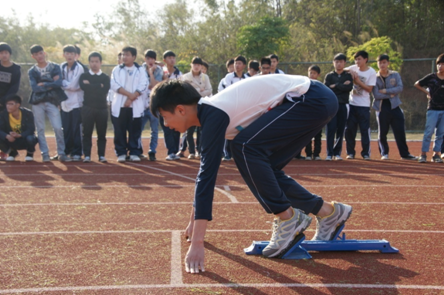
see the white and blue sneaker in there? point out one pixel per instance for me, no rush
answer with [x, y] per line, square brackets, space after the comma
[285, 231]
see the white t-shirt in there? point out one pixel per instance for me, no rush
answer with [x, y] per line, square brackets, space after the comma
[358, 96]
[249, 99]
[129, 80]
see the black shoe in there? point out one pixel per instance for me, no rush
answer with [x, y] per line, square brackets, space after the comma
[152, 156]
[410, 157]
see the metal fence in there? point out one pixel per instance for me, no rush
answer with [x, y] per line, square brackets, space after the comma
[414, 102]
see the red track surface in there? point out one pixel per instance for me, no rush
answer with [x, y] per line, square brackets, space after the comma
[114, 228]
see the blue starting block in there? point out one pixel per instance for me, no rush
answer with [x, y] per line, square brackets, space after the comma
[299, 248]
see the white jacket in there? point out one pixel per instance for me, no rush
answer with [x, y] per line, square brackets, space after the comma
[140, 84]
[247, 100]
[70, 84]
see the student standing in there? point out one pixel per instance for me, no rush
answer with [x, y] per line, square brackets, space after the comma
[388, 113]
[129, 82]
[231, 78]
[274, 64]
[314, 72]
[78, 53]
[95, 85]
[10, 74]
[364, 78]
[268, 118]
[201, 82]
[17, 129]
[341, 83]
[435, 111]
[230, 69]
[46, 81]
[155, 76]
[171, 137]
[72, 107]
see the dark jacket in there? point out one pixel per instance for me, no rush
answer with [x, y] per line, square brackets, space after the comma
[28, 127]
[341, 90]
[51, 91]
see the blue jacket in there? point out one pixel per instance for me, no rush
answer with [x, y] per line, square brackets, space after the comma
[393, 85]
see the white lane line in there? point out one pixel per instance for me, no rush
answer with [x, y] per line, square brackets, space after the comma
[330, 186]
[229, 195]
[176, 259]
[187, 203]
[213, 231]
[234, 286]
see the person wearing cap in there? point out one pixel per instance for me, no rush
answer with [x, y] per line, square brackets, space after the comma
[388, 113]
[10, 74]
[155, 76]
[253, 68]
[200, 82]
[341, 83]
[17, 129]
[171, 137]
[434, 83]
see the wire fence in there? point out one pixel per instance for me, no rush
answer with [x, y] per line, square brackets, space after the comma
[414, 102]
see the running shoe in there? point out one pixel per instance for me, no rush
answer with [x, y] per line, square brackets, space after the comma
[63, 158]
[76, 158]
[10, 159]
[317, 158]
[326, 226]
[103, 160]
[338, 158]
[329, 158]
[87, 160]
[29, 159]
[152, 156]
[191, 156]
[46, 158]
[285, 231]
[350, 157]
[385, 157]
[422, 159]
[134, 158]
[172, 157]
[121, 158]
[367, 158]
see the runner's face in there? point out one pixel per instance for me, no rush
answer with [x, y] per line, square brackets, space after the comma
[175, 121]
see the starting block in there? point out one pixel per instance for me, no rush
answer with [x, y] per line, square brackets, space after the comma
[299, 248]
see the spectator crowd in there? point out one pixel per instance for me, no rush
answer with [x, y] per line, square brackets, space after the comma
[77, 98]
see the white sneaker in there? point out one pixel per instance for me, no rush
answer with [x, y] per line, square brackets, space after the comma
[284, 232]
[121, 159]
[87, 160]
[308, 158]
[326, 226]
[29, 159]
[385, 157]
[102, 160]
[172, 157]
[10, 159]
[317, 158]
[350, 157]
[338, 158]
[134, 158]
[191, 156]
[197, 155]
[328, 158]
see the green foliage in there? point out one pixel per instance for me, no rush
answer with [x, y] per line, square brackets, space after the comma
[262, 38]
[375, 47]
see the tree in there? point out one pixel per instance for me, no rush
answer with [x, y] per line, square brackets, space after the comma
[377, 46]
[263, 38]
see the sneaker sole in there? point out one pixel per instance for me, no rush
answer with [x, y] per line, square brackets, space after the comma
[293, 241]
